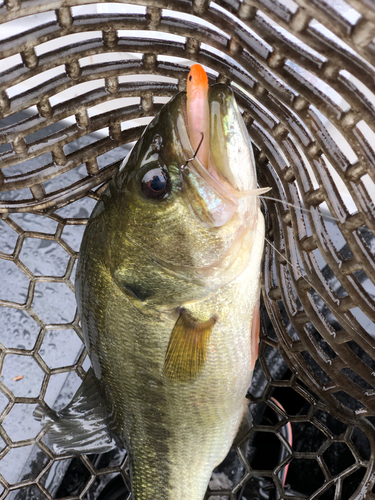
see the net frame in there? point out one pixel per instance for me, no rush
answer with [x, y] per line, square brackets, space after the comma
[285, 61]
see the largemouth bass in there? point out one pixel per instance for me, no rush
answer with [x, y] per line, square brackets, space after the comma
[168, 293]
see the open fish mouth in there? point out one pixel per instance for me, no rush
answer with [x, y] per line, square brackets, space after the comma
[215, 190]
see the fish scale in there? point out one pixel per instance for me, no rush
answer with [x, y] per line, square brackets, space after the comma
[167, 288]
[186, 426]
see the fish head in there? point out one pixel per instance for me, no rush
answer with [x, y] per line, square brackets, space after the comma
[176, 228]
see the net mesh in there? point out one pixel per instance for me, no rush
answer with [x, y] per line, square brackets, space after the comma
[76, 87]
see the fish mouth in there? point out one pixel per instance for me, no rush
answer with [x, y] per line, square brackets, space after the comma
[216, 190]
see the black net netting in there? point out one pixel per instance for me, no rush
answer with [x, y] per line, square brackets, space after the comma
[78, 83]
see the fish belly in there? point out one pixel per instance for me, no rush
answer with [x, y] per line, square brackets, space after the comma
[175, 432]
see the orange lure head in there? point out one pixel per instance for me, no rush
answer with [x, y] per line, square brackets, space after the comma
[197, 111]
[197, 82]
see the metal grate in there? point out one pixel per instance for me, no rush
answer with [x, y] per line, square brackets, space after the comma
[303, 74]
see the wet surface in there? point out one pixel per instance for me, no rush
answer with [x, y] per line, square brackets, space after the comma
[54, 303]
[301, 104]
[60, 346]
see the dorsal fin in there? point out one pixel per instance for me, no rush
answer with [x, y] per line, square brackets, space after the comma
[187, 349]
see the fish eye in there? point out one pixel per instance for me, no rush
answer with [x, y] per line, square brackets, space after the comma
[155, 183]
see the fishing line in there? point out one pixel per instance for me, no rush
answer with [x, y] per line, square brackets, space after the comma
[329, 217]
[292, 265]
[295, 268]
[287, 432]
[194, 155]
[342, 319]
[258, 191]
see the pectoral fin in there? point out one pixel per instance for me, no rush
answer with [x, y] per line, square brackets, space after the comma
[82, 426]
[187, 349]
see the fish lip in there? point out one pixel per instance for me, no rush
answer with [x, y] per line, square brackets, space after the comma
[217, 193]
[217, 183]
[230, 144]
[228, 188]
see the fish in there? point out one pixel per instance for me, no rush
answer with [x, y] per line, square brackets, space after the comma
[168, 288]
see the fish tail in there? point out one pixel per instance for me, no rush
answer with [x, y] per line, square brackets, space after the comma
[44, 414]
[82, 426]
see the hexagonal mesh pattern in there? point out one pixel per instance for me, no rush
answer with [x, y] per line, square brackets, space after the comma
[74, 89]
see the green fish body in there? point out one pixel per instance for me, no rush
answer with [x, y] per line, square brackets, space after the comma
[167, 288]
